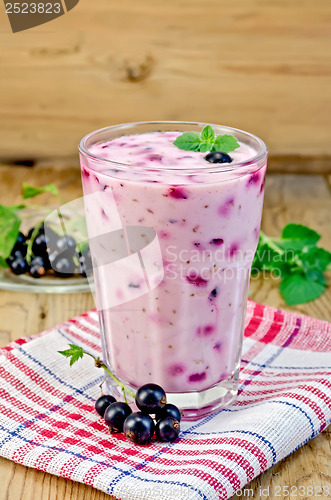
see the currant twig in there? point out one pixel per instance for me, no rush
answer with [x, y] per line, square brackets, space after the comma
[75, 353]
[34, 234]
[124, 395]
[100, 385]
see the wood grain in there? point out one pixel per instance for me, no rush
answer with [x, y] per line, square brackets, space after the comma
[262, 66]
[288, 198]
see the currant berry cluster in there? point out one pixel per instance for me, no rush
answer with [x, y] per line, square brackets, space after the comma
[139, 427]
[50, 254]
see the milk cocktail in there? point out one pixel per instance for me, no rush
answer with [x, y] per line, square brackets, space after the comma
[172, 240]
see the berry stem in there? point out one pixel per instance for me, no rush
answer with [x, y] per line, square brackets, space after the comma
[271, 242]
[124, 395]
[33, 235]
[100, 385]
[100, 364]
[59, 213]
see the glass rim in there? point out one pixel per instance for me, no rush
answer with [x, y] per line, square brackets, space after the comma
[212, 167]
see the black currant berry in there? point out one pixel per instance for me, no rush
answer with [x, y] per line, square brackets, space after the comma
[21, 238]
[18, 252]
[66, 245]
[167, 429]
[103, 402]
[169, 410]
[37, 272]
[43, 261]
[85, 262]
[139, 428]
[52, 256]
[18, 266]
[39, 245]
[63, 266]
[20, 248]
[38, 267]
[115, 415]
[218, 157]
[150, 398]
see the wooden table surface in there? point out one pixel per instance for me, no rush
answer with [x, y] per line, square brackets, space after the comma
[289, 198]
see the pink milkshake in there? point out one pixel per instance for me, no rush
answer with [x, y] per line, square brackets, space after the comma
[172, 239]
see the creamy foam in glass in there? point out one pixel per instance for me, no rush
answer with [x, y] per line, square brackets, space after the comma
[172, 239]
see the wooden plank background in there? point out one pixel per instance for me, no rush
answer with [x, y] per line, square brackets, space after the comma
[260, 65]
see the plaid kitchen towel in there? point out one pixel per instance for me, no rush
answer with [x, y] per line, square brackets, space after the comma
[47, 417]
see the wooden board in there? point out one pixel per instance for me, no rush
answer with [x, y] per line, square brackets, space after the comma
[263, 66]
[304, 199]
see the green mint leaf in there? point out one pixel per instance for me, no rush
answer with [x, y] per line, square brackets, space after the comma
[16, 207]
[316, 275]
[206, 141]
[208, 135]
[300, 232]
[31, 191]
[74, 353]
[293, 245]
[9, 228]
[267, 259]
[297, 260]
[204, 147]
[3, 263]
[189, 141]
[225, 143]
[296, 289]
[314, 257]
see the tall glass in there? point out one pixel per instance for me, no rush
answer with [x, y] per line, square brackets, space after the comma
[172, 248]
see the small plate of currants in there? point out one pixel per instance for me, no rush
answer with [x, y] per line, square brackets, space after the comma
[46, 257]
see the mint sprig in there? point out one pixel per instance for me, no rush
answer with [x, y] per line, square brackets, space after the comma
[9, 229]
[75, 353]
[206, 141]
[297, 260]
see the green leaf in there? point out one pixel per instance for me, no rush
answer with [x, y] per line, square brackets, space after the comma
[296, 289]
[298, 261]
[194, 141]
[268, 256]
[225, 143]
[292, 245]
[268, 260]
[31, 191]
[74, 353]
[208, 135]
[316, 275]
[9, 228]
[16, 207]
[316, 257]
[189, 141]
[3, 263]
[300, 232]
[265, 258]
[204, 147]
